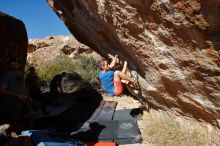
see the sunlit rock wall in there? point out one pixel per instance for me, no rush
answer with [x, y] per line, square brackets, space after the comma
[173, 44]
[13, 41]
[44, 50]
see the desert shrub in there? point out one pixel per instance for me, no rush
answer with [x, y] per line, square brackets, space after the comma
[56, 66]
[86, 67]
[167, 132]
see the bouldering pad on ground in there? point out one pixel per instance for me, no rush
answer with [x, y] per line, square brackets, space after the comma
[127, 114]
[73, 117]
[104, 112]
[96, 131]
[48, 138]
[120, 131]
[127, 132]
[98, 122]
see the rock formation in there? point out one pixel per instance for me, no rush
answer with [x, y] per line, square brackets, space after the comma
[173, 45]
[40, 51]
[13, 41]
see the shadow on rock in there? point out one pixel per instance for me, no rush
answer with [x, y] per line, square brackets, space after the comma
[84, 100]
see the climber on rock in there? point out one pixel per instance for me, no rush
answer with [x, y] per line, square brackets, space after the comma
[112, 81]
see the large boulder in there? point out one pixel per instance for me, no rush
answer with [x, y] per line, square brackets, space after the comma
[44, 50]
[13, 41]
[172, 44]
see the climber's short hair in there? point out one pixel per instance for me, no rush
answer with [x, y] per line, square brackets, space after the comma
[101, 64]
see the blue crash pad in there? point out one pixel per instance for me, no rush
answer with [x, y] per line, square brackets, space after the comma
[45, 138]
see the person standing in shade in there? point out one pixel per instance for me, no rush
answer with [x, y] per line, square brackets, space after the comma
[33, 86]
[56, 86]
[17, 99]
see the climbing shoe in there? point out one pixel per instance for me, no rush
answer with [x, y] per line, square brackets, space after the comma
[135, 84]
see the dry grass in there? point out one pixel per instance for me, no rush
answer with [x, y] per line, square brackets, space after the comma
[160, 129]
[164, 131]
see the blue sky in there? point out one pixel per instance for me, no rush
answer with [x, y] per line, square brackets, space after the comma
[38, 17]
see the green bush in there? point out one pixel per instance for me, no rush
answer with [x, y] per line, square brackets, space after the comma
[85, 66]
[56, 66]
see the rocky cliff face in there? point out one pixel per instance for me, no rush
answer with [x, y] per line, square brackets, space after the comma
[40, 51]
[13, 41]
[172, 44]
